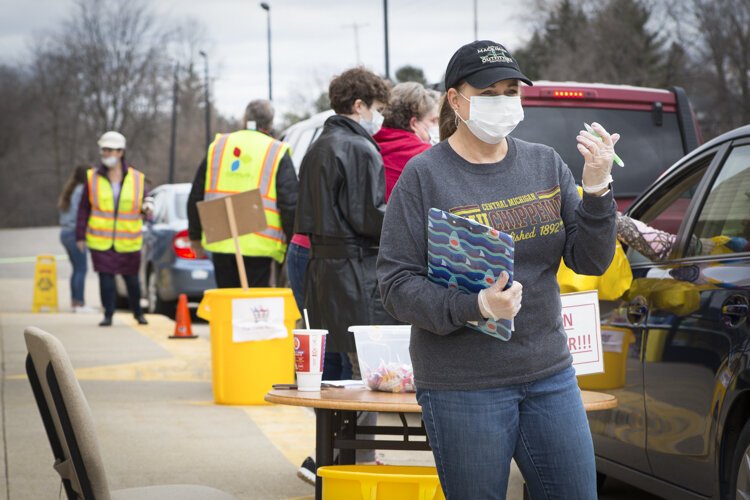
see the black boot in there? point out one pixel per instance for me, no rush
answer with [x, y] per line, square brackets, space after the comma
[107, 321]
[140, 319]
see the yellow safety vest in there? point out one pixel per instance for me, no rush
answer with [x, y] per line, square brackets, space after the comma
[121, 228]
[243, 161]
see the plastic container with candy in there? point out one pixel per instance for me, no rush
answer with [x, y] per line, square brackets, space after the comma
[384, 360]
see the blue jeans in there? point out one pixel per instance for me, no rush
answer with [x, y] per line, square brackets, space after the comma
[541, 424]
[336, 365]
[78, 261]
[108, 293]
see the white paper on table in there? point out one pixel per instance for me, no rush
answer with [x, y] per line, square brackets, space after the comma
[580, 314]
[346, 384]
[258, 319]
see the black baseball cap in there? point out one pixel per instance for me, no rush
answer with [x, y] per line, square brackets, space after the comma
[481, 64]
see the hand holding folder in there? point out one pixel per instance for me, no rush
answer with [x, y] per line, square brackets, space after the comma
[469, 256]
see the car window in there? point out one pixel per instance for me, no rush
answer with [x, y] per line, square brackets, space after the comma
[180, 205]
[723, 225]
[662, 213]
[160, 210]
[646, 149]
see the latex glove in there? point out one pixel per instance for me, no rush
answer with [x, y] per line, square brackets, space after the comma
[496, 303]
[598, 156]
[197, 248]
[81, 245]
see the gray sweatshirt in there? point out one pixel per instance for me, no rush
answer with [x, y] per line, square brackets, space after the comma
[530, 195]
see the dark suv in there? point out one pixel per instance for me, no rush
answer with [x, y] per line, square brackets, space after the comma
[657, 127]
[677, 345]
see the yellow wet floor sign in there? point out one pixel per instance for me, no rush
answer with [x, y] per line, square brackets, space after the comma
[45, 284]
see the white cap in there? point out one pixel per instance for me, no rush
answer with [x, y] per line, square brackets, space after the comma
[112, 140]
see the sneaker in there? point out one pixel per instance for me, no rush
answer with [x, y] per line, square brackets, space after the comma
[306, 471]
[141, 319]
[84, 310]
[107, 321]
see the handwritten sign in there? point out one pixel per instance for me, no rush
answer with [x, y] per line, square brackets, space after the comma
[580, 315]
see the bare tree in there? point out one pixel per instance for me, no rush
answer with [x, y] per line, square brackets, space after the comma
[116, 47]
[108, 66]
[716, 37]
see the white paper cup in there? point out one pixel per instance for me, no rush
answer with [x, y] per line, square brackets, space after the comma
[309, 351]
[309, 382]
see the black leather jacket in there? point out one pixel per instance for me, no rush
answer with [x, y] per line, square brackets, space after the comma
[342, 185]
[341, 204]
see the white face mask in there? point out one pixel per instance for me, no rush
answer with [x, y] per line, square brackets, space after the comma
[492, 118]
[110, 161]
[434, 132]
[372, 126]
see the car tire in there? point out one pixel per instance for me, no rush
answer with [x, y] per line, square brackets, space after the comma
[155, 304]
[739, 474]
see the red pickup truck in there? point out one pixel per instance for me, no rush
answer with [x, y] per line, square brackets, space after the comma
[658, 127]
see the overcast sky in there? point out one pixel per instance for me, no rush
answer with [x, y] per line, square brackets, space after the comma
[312, 40]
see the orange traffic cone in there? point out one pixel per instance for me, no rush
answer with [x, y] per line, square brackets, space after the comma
[182, 326]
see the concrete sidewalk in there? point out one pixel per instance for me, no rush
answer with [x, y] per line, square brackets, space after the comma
[150, 396]
[156, 421]
[151, 400]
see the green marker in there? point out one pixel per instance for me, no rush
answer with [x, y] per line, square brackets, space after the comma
[593, 132]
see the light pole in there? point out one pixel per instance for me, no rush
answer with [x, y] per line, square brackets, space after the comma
[173, 130]
[206, 95]
[355, 27]
[385, 26]
[475, 20]
[267, 8]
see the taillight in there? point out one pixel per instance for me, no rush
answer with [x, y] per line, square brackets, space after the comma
[181, 246]
[568, 94]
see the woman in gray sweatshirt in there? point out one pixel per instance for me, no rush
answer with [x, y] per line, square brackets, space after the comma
[485, 400]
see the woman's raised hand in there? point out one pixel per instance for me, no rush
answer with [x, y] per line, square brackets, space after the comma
[598, 154]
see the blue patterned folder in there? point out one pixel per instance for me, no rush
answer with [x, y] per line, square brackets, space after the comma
[468, 256]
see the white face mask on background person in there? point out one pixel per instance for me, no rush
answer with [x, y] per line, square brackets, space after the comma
[492, 118]
[434, 132]
[373, 125]
[110, 161]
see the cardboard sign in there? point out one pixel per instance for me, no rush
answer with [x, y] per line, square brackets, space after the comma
[580, 314]
[248, 213]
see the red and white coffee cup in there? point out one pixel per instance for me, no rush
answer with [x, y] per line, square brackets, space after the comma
[309, 351]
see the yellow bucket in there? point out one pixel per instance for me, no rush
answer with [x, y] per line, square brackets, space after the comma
[380, 482]
[615, 343]
[244, 370]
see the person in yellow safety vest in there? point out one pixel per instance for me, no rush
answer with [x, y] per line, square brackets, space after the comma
[110, 222]
[237, 162]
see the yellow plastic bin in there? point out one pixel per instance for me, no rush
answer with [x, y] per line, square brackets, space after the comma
[244, 368]
[380, 482]
[615, 344]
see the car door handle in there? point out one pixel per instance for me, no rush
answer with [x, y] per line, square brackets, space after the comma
[637, 310]
[734, 311]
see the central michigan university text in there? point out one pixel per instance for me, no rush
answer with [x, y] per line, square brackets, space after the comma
[513, 218]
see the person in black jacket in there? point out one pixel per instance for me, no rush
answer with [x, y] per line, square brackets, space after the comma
[258, 116]
[341, 207]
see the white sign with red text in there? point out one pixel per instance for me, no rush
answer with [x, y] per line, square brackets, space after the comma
[580, 315]
[258, 319]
